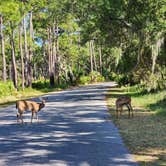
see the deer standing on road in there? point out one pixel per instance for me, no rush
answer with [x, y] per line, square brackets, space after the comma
[25, 105]
[120, 102]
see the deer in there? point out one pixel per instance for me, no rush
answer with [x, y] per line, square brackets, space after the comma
[26, 105]
[120, 102]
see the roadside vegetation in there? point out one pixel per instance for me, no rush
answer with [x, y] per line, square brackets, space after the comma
[145, 134]
[8, 94]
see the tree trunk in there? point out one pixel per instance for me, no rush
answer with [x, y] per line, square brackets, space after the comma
[10, 71]
[48, 50]
[22, 57]
[94, 55]
[14, 67]
[91, 55]
[71, 75]
[25, 52]
[54, 51]
[45, 57]
[30, 75]
[51, 72]
[155, 51]
[57, 59]
[4, 75]
[100, 60]
[140, 50]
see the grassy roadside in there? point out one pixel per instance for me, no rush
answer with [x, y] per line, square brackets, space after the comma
[27, 93]
[145, 134]
[9, 95]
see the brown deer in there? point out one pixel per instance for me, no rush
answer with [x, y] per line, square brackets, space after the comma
[25, 105]
[120, 102]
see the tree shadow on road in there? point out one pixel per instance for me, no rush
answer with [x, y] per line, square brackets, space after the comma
[72, 132]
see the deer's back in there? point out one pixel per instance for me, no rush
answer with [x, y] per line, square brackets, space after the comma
[24, 105]
[123, 100]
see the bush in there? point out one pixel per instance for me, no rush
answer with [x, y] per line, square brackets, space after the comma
[85, 80]
[96, 77]
[121, 79]
[91, 78]
[44, 85]
[154, 82]
[41, 84]
[7, 88]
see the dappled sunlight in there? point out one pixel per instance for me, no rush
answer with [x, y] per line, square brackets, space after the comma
[66, 105]
[27, 152]
[83, 112]
[90, 120]
[73, 130]
[119, 159]
[151, 156]
[84, 163]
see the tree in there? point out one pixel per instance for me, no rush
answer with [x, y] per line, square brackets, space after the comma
[75, 38]
[11, 13]
[3, 49]
[14, 66]
[22, 56]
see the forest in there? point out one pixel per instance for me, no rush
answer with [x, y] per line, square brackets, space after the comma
[49, 43]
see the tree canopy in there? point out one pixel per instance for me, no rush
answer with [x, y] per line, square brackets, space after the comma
[61, 41]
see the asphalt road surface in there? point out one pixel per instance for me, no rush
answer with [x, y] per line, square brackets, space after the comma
[74, 130]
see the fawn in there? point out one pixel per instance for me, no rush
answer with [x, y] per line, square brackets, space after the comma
[120, 102]
[25, 105]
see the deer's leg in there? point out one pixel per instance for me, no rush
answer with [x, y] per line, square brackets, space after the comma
[37, 118]
[128, 106]
[32, 116]
[117, 112]
[121, 109]
[21, 117]
[17, 117]
[132, 113]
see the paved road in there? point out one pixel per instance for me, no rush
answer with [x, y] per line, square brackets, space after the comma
[74, 131]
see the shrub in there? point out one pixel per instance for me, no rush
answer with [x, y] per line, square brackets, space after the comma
[154, 82]
[121, 79]
[91, 78]
[85, 80]
[96, 77]
[6, 88]
[41, 84]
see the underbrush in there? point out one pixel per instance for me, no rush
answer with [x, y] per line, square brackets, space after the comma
[44, 86]
[93, 77]
[7, 88]
[8, 93]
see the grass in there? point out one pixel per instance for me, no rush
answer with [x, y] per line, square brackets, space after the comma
[9, 99]
[27, 93]
[145, 134]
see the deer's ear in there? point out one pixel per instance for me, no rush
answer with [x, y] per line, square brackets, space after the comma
[46, 98]
[43, 98]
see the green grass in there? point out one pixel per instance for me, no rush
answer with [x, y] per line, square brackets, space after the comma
[17, 95]
[152, 101]
[145, 134]
[9, 95]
